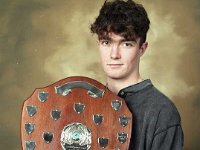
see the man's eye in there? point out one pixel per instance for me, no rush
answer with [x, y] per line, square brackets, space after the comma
[127, 44]
[105, 43]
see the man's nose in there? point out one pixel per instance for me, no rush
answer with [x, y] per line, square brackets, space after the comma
[115, 52]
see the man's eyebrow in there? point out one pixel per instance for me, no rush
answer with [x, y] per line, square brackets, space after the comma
[105, 38]
[128, 40]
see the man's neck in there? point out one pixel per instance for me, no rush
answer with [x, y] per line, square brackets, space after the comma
[115, 85]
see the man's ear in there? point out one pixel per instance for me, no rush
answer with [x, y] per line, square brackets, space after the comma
[143, 48]
[98, 42]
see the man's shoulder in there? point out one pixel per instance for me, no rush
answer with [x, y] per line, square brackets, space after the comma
[155, 96]
[162, 102]
[152, 102]
[168, 115]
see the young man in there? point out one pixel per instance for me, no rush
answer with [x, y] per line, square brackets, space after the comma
[121, 28]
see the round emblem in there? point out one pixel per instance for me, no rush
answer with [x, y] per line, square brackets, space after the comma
[76, 136]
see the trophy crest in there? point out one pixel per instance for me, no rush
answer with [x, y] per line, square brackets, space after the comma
[76, 113]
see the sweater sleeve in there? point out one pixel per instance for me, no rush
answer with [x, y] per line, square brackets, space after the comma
[169, 139]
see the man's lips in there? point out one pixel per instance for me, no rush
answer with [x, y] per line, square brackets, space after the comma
[114, 65]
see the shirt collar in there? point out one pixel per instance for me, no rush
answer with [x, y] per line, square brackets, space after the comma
[135, 88]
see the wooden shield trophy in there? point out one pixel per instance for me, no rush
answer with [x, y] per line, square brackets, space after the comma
[76, 113]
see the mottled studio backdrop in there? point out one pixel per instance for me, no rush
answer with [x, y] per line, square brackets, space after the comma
[43, 41]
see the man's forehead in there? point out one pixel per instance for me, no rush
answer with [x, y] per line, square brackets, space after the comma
[115, 37]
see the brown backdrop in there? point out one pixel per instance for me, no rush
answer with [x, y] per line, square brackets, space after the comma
[44, 41]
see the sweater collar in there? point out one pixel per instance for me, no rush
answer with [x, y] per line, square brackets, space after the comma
[135, 88]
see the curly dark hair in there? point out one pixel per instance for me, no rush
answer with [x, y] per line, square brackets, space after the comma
[125, 18]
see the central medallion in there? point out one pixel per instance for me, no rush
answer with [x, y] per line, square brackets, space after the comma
[76, 136]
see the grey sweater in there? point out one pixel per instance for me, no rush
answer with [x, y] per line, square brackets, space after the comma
[156, 121]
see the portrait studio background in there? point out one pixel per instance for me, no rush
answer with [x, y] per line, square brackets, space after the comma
[44, 41]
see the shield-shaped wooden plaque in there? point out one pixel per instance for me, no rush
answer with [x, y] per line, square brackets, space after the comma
[76, 113]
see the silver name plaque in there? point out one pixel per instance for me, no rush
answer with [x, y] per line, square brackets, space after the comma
[76, 136]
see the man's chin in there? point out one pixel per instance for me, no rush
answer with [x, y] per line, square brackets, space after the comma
[115, 76]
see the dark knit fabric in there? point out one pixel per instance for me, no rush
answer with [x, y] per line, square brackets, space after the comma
[156, 121]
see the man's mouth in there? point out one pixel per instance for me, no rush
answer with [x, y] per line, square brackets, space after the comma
[114, 65]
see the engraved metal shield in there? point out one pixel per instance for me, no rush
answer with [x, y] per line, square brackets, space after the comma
[43, 96]
[103, 142]
[98, 119]
[122, 137]
[76, 113]
[116, 104]
[29, 145]
[55, 114]
[29, 127]
[47, 137]
[123, 120]
[31, 110]
[78, 107]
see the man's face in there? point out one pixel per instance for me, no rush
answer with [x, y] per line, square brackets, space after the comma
[120, 57]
